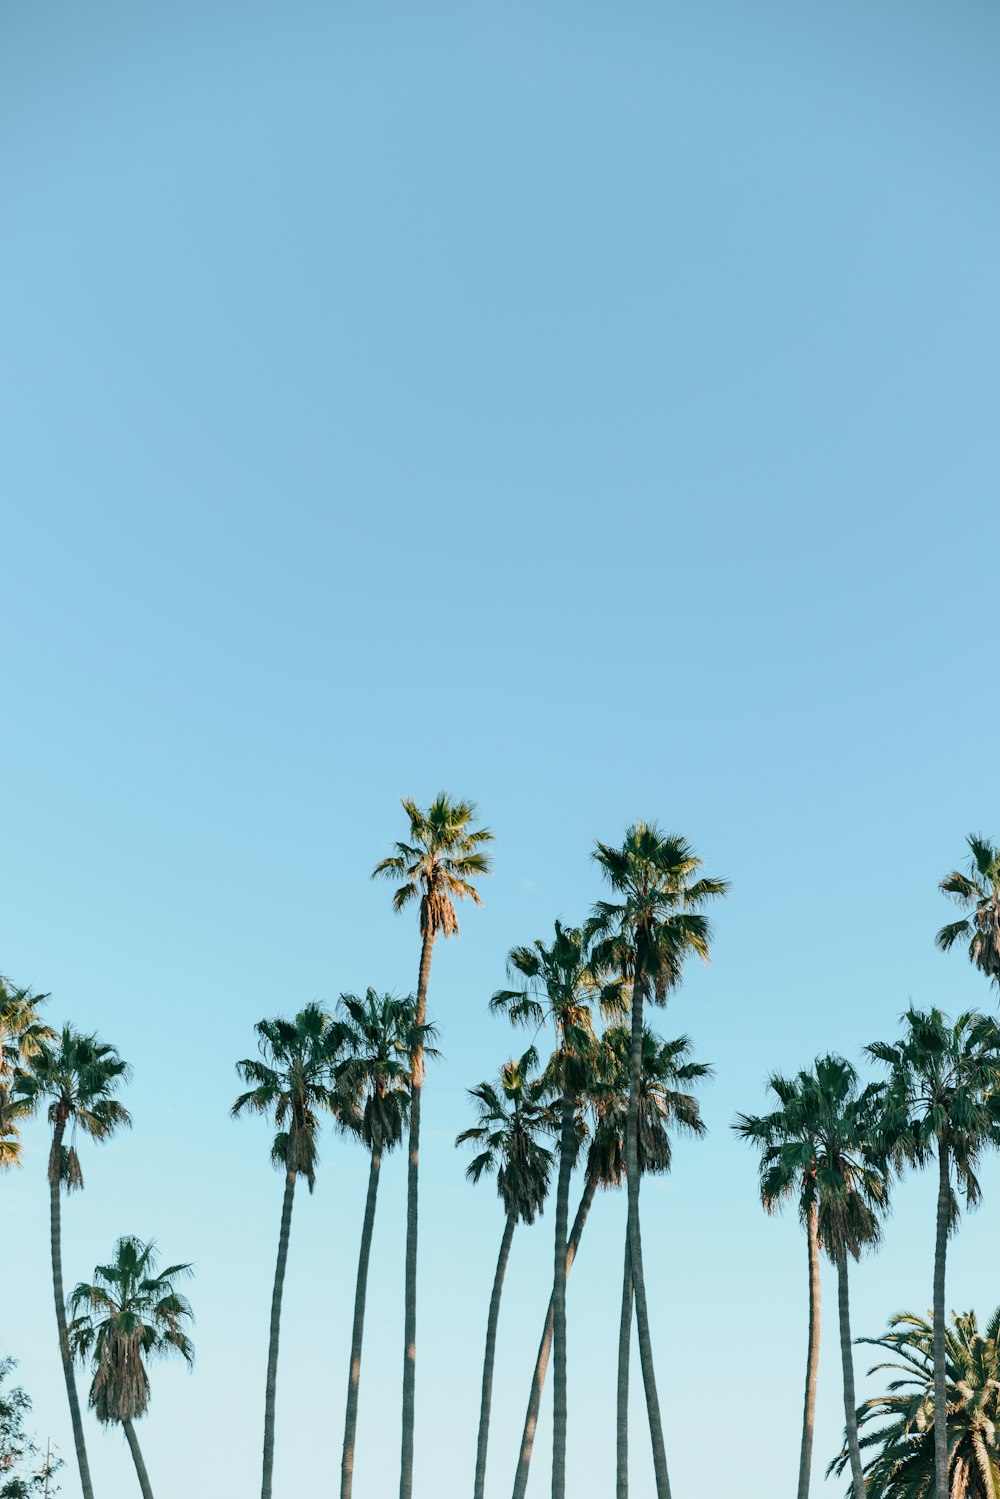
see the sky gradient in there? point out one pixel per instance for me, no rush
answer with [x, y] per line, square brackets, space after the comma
[588, 409]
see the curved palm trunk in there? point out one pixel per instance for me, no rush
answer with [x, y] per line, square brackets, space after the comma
[410, 1287]
[545, 1347]
[635, 1245]
[846, 1358]
[491, 1346]
[940, 1368]
[55, 1209]
[358, 1333]
[812, 1355]
[624, 1350]
[272, 1351]
[559, 1403]
[140, 1466]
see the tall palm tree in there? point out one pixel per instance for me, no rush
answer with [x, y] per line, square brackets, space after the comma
[79, 1075]
[513, 1118]
[128, 1315]
[378, 1035]
[646, 935]
[437, 867]
[977, 892]
[291, 1082]
[22, 1034]
[901, 1461]
[942, 1099]
[562, 987]
[819, 1146]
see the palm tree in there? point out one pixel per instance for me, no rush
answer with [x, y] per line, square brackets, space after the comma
[977, 892]
[901, 1461]
[22, 1033]
[562, 986]
[513, 1116]
[79, 1076]
[647, 935]
[290, 1082]
[437, 867]
[378, 1035]
[818, 1145]
[942, 1099]
[127, 1316]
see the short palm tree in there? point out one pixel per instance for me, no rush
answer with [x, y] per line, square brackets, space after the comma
[646, 934]
[128, 1315]
[942, 1100]
[22, 1034]
[79, 1076]
[290, 1082]
[378, 1035]
[977, 892]
[445, 854]
[513, 1120]
[819, 1148]
[901, 1449]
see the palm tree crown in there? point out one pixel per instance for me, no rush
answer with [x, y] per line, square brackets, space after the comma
[444, 855]
[22, 1034]
[664, 1102]
[377, 1036]
[79, 1075]
[292, 1081]
[128, 1315]
[513, 1118]
[977, 892]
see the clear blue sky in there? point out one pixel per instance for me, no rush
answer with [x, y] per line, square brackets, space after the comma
[586, 408]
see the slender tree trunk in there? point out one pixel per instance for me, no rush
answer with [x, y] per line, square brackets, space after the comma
[812, 1355]
[567, 1150]
[358, 1333]
[140, 1466]
[55, 1206]
[491, 1348]
[624, 1350]
[847, 1359]
[635, 1244]
[545, 1346]
[410, 1288]
[272, 1350]
[940, 1367]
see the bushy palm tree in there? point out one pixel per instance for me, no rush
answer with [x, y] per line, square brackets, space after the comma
[646, 935]
[818, 1147]
[378, 1036]
[445, 854]
[79, 1076]
[128, 1315]
[22, 1034]
[513, 1120]
[942, 1100]
[977, 891]
[901, 1448]
[291, 1083]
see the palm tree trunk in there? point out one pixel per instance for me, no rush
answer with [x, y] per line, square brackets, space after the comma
[847, 1359]
[940, 1369]
[491, 1347]
[55, 1207]
[410, 1286]
[567, 1151]
[358, 1333]
[272, 1351]
[140, 1466]
[635, 1244]
[545, 1347]
[624, 1350]
[812, 1355]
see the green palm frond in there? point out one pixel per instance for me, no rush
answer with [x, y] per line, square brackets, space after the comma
[444, 857]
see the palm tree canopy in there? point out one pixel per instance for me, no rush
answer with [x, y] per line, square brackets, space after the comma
[899, 1425]
[821, 1145]
[79, 1076]
[377, 1037]
[665, 1104]
[129, 1314]
[658, 920]
[513, 1119]
[977, 891]
[22, 1030]
[943, 1087]
[292, 1081]
[444, 856]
